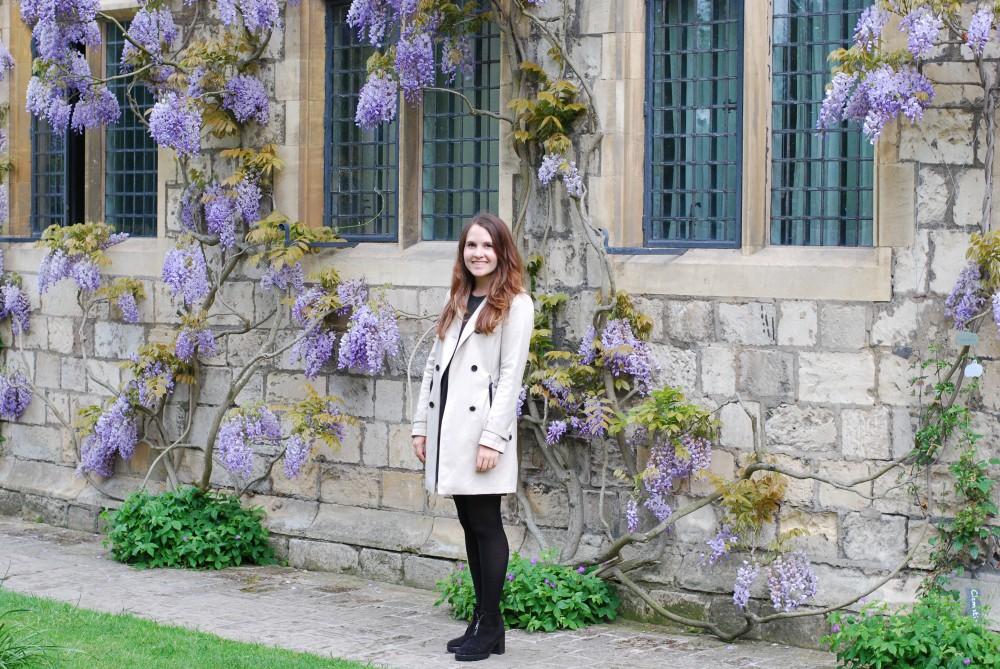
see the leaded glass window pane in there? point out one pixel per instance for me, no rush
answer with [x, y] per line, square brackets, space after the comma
[130, 166]
[693, 100]
[48, 176]
[461, 166]
[821, 186]
[361, 166]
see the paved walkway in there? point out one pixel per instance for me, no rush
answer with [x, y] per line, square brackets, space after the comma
[343, 616]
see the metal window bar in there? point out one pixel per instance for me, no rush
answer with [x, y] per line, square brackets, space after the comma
[821, 186]
[361, 167]
[130, 159]
[461, 165]
[694, 116]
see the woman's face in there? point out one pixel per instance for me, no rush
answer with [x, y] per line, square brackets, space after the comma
[480, 256]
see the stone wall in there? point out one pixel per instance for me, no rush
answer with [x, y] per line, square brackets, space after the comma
[818, 344]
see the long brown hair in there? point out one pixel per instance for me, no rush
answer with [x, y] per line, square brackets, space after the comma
[506, 281]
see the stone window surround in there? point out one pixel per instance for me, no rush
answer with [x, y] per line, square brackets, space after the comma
[754, 271]
[94, 140]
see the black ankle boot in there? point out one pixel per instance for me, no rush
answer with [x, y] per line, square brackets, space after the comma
[456, 643]
[487, 638]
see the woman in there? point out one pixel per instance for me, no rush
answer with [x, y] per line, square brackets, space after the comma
[465, 423]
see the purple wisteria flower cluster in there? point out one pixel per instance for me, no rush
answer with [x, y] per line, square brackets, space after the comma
[129, 308]
[790, 581]
[921, 27]
[56, 265]
[556, 165]
[155, 31]
[194, 340]
[186, 274]
[61, 72]
[14, 304]
[980, 27]
[242, 430]
[372, 336]
[175, 122]
[6, 63]
[288, 278]
[115, 433]
[15, 395]
[150, 373]
[246, 97]
[966, 297]
[721, 544]
[259, 16]
[621, 352]
[745, 577]
[875, 98]
[327, 424]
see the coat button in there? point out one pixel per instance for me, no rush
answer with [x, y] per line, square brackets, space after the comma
[432, 405]
[472, 408]
[474, 368]
[437, 368]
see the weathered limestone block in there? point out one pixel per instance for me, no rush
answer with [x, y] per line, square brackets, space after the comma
[690, 321]
[718, 371]
[388, 530]
[902, 432]
[793, 427]
[293, 517]
[943, 133]
[911, 270]
[723, 464]
[932, 196]
[35, 442]
[289, 387]
[322, 556]
[351, 486]
[654, 308]
[446, 539]
[11, 502]
[216, 382]
[37, 336]
[969, 199]
[833, 498]
[381, 565]
[866, 434]
[678, 367]
[750, 324]
[350, 446]
[797, 324]
[304, 486]
[117, 340]
[843, 328]
[62, 335]
[44, 509]
[358, 393]
[821, 531]
[390, 400]
[837, 378]
[947, 259]
[766, 374]
[423, 572]
[83, 518]
[901, 324]
[836, 585]
[375, 446]
[737, 428]
[874, 538]
[401, 453]
[697, 527]
[403, 490]
[549, 504]
[106, 372]
[894, 374]
[920, 531]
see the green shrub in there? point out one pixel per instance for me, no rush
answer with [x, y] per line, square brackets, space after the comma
[538, 594]
[187, 528]
[934, 633]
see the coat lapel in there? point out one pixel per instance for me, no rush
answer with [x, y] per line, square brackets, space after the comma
[467, 331]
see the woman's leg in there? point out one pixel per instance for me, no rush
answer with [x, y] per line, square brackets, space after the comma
[483, 526]
[471, 545]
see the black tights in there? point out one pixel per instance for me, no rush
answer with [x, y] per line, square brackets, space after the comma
[486, 546]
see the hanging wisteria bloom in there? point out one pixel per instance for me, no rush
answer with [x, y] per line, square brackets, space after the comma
[97, 107]
[6, 61]
[115, 433]
[15, 395]
[315, 347]
[151, 374]
[128, 307]
[979, 30]
[153, 30]
[329, 424]
[370, 18]
[185, 272]
[220, 215]
[632, 515]
[260, 15]
[554, 165]
[248, 196]
[190, 340]
[790, 581]
[377, 101]
[246, 97]
[242, 430]
[625, 354]
[289, 277]
[869, 29]
[372, 335]
[921, 27]
[415, 64]
[720, 544]
[745, 577]
[557, 429]
[296, 452]
[353, 294]
[14, 304]
[175, 122]
[966, 297]
[457, 58]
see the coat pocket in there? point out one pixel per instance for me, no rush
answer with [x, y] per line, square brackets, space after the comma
[490, 391]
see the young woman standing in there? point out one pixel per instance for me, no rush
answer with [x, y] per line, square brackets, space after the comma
[465, 422]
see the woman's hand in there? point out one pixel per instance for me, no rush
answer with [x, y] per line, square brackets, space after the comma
[420, 448]
[486, 458]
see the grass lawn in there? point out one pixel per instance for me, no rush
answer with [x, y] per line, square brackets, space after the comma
[121, 641]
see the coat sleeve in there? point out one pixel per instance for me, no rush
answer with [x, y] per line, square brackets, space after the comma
[419, 428]
[515, 338]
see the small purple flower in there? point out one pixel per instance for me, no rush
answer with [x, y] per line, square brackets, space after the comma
[581, 569]
[510, 577]
[922, 27]
[15, 396]
[632, 515]
[745, 576]
[557, 429]
[835, 629]
[979, 30]
[534, 560]
[15, 305]
[128, 307]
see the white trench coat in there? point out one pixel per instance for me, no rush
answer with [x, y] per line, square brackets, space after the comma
[484, 383]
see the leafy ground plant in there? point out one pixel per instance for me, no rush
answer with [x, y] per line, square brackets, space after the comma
[187, 528]
[22, 648]
[539, 594]
[934, 633]
[126, 642]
